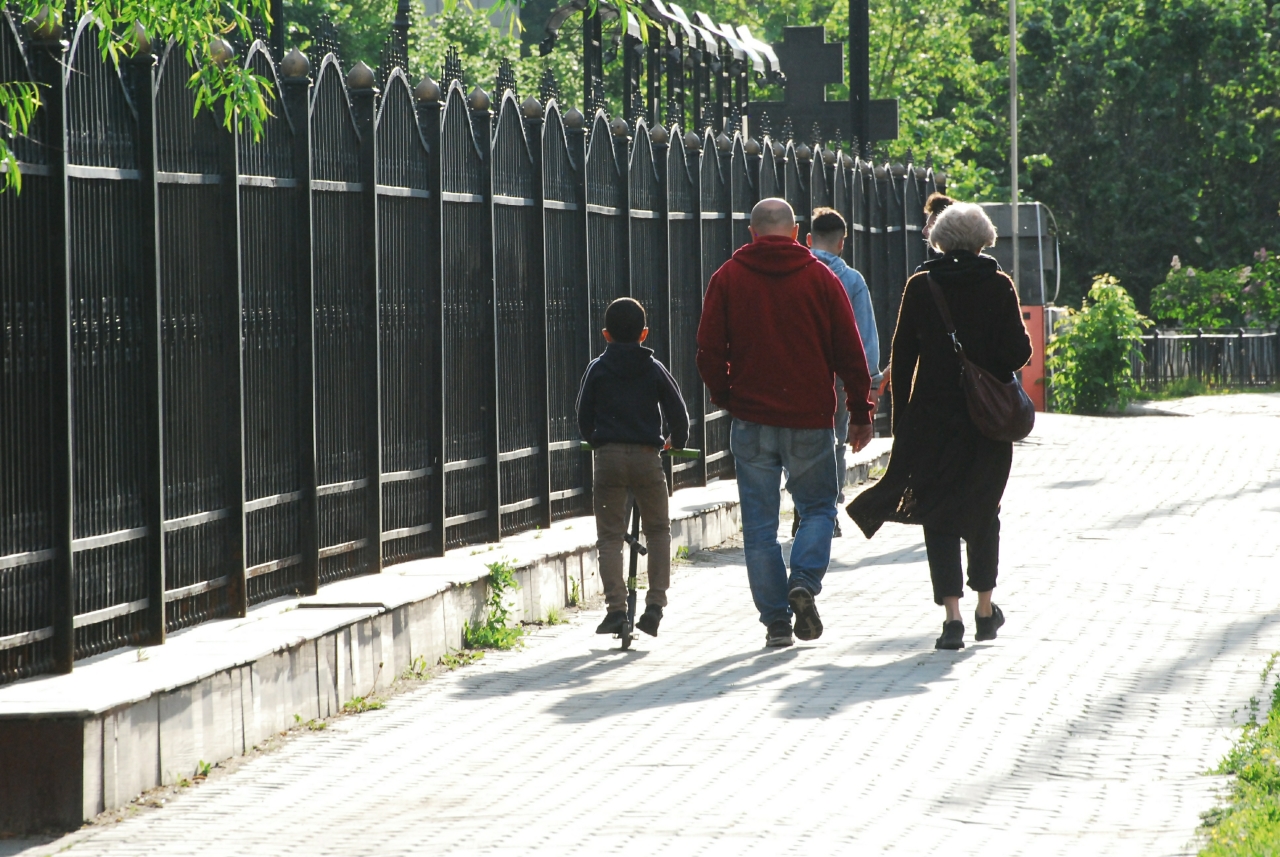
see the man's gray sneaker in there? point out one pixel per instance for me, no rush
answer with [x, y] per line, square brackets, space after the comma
[778, 635]
[808, 625]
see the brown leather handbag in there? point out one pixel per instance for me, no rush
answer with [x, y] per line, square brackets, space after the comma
[1001, 410]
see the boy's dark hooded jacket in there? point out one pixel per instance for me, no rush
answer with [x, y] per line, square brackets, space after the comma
[624, 397]
[776, 323]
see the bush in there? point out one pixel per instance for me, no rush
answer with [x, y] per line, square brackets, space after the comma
[1249, 822]
[1229, 297]
[1089, 360]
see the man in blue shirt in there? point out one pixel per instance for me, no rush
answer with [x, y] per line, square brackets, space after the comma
[827, 232]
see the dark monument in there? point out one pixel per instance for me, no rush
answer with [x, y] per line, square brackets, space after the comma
[810, 63]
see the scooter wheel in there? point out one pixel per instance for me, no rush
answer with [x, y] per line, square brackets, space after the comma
[626, 642]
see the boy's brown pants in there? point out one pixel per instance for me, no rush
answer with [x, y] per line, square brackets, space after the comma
[619, 467]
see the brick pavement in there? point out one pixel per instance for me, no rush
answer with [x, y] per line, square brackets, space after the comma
[1138, 579]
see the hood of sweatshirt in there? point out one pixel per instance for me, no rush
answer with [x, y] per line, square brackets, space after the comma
[961, 267]
[627, 359]
[774, 255]
[831, 260]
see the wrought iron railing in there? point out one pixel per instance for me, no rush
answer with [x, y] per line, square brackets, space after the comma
[234, 369]
[1223, 358]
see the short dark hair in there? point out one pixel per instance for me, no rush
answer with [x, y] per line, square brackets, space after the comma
[625, 320]
[828, 224]
[937, 203]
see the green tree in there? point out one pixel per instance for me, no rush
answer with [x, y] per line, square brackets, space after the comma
[124, 26]
[1089, 361]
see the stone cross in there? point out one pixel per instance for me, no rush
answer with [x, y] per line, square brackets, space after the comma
[810, 63]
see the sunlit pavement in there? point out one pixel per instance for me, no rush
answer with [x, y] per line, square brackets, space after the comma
[1139, 577]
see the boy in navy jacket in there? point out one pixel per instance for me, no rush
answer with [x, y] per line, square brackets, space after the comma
[625, 399]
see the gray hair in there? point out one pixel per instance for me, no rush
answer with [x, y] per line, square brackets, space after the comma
[963, 226]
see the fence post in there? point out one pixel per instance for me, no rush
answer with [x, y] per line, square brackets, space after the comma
[47, 68]
[360, 83]
[1241, 360]
[478, 103]
[1198, 358]
[576, 142]
[296, 83]
[1154, 378]
[233, 381]
[140, 69]
[532, 112]
[427, 95]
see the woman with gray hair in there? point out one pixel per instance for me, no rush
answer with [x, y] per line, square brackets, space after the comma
[944, 474]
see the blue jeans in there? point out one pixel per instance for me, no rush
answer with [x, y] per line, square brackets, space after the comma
[761, 453]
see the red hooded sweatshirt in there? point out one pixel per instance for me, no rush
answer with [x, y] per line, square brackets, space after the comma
[776, 323]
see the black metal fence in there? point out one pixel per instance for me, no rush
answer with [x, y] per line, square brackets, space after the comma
[1222, 358]
[236, 369]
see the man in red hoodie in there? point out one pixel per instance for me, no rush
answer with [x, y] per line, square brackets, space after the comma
[776, 326]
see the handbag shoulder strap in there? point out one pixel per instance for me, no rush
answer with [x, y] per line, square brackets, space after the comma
[941, 302]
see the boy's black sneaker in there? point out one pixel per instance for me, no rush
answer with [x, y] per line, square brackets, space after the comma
[649, 621]
[987, 626]
[808, 625]
[952, 635]
[614, 623]
[779, 635]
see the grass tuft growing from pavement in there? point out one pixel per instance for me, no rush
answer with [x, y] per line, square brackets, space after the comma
[496, 632]
[1249, 824]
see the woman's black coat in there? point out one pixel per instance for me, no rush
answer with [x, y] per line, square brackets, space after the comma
[943, 473]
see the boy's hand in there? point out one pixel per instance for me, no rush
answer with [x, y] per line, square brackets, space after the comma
[666, 444]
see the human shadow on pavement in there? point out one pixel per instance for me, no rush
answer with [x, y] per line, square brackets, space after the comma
[810, 691]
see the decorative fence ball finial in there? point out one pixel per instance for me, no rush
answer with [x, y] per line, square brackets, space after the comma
[46, 25]
[723, 143]
[752, 147]
[692, 141]
[658, 135]
[574, 119]
[478, 100]
[531, 108]
[295, 64]
[221, 52]
[619, 127]
[829, 157]
[139, 39]
[427, 91]
[803, 152]
[360, 77]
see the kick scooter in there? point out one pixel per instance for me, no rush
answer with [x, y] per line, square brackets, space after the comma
[638, 550]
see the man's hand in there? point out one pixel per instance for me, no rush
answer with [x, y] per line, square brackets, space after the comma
[860, 436]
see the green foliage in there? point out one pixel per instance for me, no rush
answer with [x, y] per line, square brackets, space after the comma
[1230, 297]
[1192, 298]
[192, 24]
[575, 592]
[362, 25]
[496, 632]
[361, 704]
[1089, 360]
[453, 660]
[1249, 824]
[1161, 126]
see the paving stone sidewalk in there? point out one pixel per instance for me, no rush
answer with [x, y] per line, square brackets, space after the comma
[1139, 576]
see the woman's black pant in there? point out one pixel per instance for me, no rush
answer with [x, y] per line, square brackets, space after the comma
[944, 561]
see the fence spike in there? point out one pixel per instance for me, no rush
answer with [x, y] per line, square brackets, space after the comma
[326, 41]
[549, 88]
[788, 130]
[452, 67]
[505, 80]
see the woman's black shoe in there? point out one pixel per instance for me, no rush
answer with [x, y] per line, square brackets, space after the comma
[988, 626]
[952, 635]
[649, 621]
